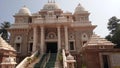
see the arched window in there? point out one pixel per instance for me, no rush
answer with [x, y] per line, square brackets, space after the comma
[71, 36]
[84, 38]
[71, 45]
[30, 47]
[18, 39]
[30, 20]
[17, 45]
[31, 38]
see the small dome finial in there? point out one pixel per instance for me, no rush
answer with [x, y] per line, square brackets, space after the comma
[48, 1]
[53, 1]
[79, 4]
[79, 9]
[24, 6]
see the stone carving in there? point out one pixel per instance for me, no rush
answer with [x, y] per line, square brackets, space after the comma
[51, 35]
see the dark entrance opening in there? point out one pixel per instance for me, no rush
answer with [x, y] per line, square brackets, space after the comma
[51, 47]
[105, 61]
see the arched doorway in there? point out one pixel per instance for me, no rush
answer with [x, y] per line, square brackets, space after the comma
[51, 47]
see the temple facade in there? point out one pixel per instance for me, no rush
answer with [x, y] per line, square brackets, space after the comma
[51, 30]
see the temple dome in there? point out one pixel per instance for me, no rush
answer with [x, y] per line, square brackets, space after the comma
[51, 6]
[24, 11]
[79, 9]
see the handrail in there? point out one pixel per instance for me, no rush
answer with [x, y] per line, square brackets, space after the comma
[27, 60]
[64, 59]
[47, 59]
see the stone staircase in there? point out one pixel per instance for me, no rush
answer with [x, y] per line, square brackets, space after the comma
[52, 60]
[28, 62]
[32, 64]
[40, 63]
[58, 64]
[48, 61]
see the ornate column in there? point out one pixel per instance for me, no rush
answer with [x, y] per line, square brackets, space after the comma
[59, 38]
[66, 38]
[34, 38]
[42, 40]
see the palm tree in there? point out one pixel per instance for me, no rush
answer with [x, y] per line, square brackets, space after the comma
[3, 30]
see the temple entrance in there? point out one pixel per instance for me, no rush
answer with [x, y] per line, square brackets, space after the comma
[105, 61]
[51, 47]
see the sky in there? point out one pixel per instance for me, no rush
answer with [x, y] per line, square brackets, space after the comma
[101, 10]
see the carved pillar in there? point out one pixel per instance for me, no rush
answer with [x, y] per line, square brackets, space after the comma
[59, 38]
[34, 38]
[42, 40]
[66, 38]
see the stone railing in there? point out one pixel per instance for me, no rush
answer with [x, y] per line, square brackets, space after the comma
[52, 20]
[64, 59]
[19, 25]
[28, 60]
[81, 23]
[46, 60]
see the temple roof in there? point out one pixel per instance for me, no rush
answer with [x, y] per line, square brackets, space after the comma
[96, 40]
[51, 5]
[5, 46]
[80, 9]
[24, 11]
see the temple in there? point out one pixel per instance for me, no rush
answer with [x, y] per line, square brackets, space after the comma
[63, 38]
[7, 55]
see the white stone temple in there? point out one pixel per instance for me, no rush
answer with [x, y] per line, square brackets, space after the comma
[49, 34]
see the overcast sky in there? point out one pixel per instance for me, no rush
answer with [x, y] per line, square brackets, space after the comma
[101, 10]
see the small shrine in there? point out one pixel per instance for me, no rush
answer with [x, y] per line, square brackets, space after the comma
[7, 55]
[70, 61]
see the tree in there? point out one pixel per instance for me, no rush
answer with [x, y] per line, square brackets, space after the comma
[109, 37]
[3, 30]
[114, 28]
[113, 24]
[116, 37]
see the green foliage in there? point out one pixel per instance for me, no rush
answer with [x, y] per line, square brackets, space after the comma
[114, 28]
[5, 25]
[109, 37]
[60, 57]
[3, 30]
[83, 66]
[113, 24]
[29, 59]
[116, 38]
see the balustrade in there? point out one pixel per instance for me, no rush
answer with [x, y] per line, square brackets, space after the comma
[51, 20]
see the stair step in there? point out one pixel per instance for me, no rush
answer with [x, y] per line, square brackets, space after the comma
[51, 61]
[37, 65]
